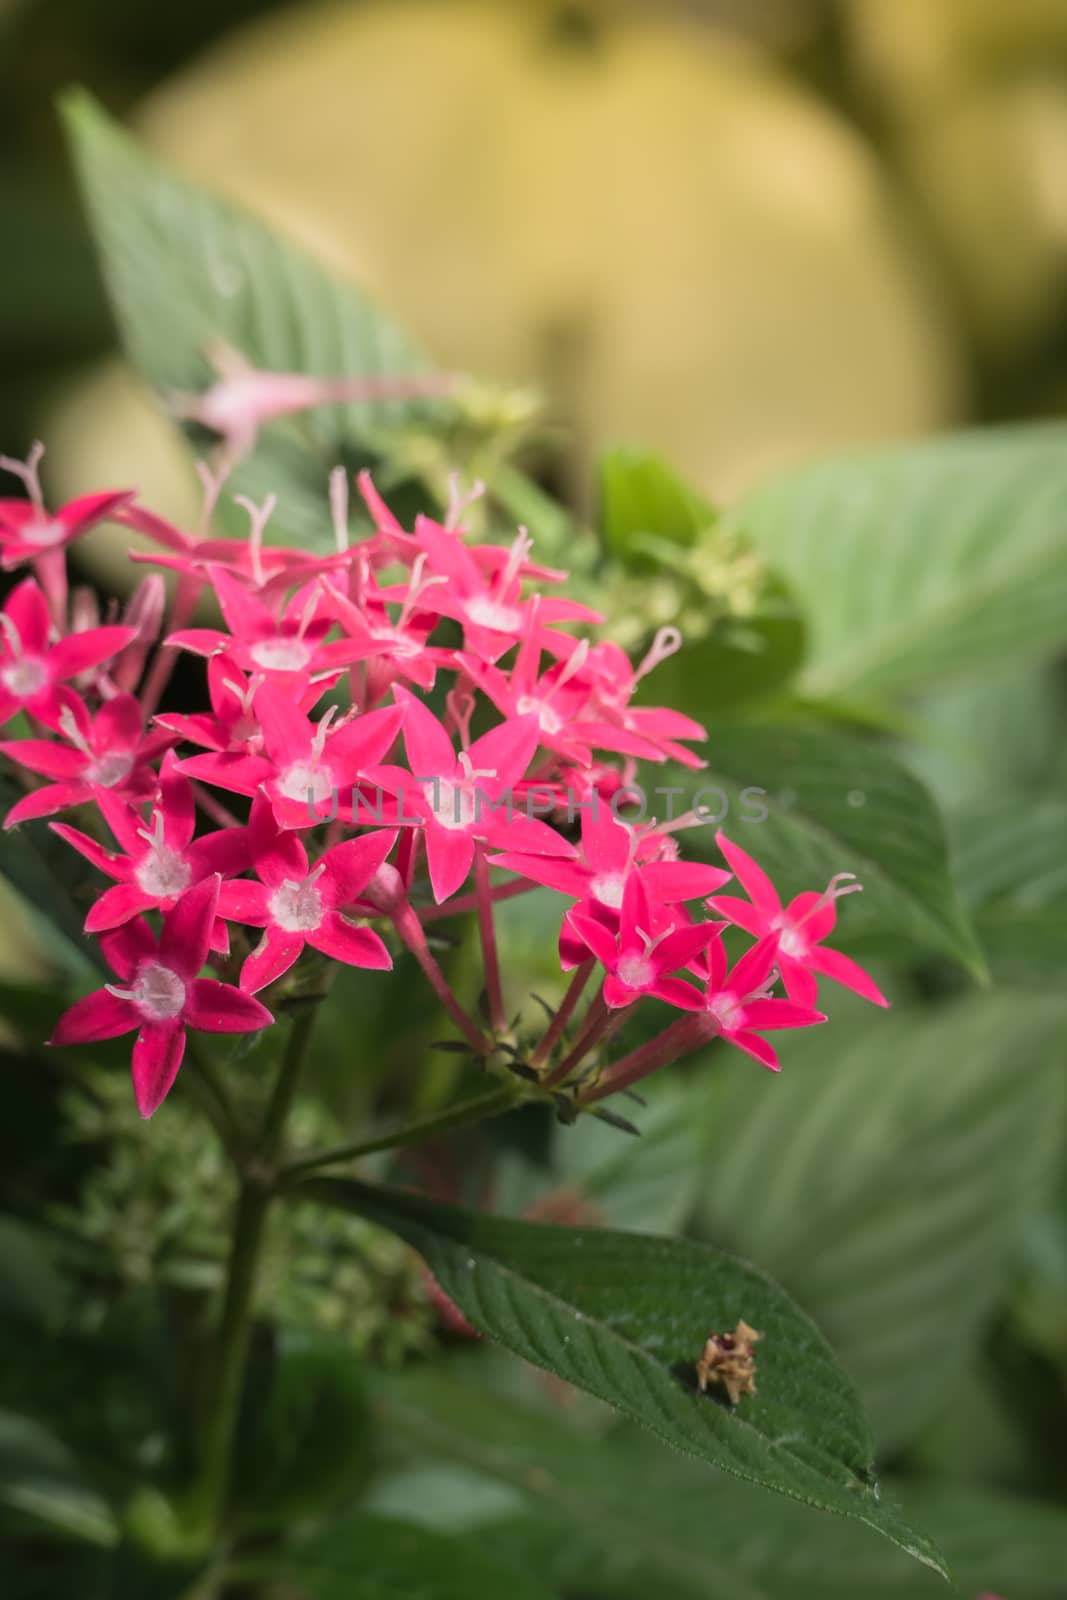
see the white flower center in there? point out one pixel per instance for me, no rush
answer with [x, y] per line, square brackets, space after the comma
[157, 992]
[308, 782]
[793, 943]
[281, 655]
[486, 613]
[110, 769]
[454, 804]
[25, 677]
[44, 533]
[548, 720]
[726, 1011]
[297, 906]
[401, 645]
[636, 972]
[608, 888]
[163, 873]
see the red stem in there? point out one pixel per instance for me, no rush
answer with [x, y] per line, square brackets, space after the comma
[409, 928]
[469, 902]
[488, 935]
[566, 1010]
[679, 1039]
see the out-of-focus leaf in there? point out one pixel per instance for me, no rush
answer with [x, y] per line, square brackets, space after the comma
[886, 1181]
[819, 803]
[303, 1442]
[624, 1317]
[31, 1287]
[1011, 866]
[40, 1480]
[620, 1517]
[378, 1558]
[30, 862]
[921, 562]
[642, 497]
[185, 269]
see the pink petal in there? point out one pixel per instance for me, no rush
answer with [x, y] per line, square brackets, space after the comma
[240, 774]
[277, 853]
[595, 937]
[118, 724]
[755, 966]
[799, 983]
[157, 1055]
[100, 1015]
[569, 877]
[678, 949]
[274, 955]
[742, 913]
[449, 854]
[116, 906]
[636, 914]
[79, 515]
[681, 880]
[28, 610]
[287, 733]
[617, 995]
[505, 751]
[678, 993]
[46, 802]
[225, 852]
[198, 641]
[51, 760]
[246, 618]
[103, 860]
[241, 900]
[177, 803]
[125, 947]
[215, 1007]
[79, 651]
[752, 878]
[818, 915]
[363, 742]
[754, 1046]
[768, 1015]
[186, 936]
[349, 867]
[606, 842]
[843, 970]
[358, 947]
[525, 835]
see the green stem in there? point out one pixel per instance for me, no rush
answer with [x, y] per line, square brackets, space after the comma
[258, 1189]
[476, 1109]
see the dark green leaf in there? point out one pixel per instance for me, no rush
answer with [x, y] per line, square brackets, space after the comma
[819, 803]
[642, 497]
[303, 1442]
[1011, 865]
[625, 1317]
[920, 562]
[185, 269]
[886, 1181]
[40, 1480]
[379, 1558]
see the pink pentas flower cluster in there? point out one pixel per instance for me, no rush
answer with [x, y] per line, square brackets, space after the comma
[315, 800]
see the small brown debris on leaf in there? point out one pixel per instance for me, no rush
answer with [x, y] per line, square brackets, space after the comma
[728, 1359]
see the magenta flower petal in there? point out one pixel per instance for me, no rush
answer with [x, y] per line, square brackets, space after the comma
[186, 936]
[125, 947]
[214, 1007]
[449, 855]
[350, 866]
[357, 947]
[843, 970]
[50, 759]
[273, 956]
[157, 1055]
[751, 876]
[80, 651]
[116, 906]
[241, 900]
[100, 1015]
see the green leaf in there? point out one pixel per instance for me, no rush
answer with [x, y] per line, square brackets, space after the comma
[1011, 865]
[921, 562]
[604, 1514]
[887, 1180]
[642, 497]
[185, 269]
[302, 1444]
[378, 1558]
[625, 1317]
[838, 804]
[31, 1287]
[41, 872]
[40, 1480]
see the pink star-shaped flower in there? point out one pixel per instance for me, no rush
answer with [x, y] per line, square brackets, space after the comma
[740, 1002]
[306, 768]
[108, 752]
[161, 860]
[459, 800]
[639, 959]
[31, 666]
[28, 531]
[297, 906]
[161, 995]
[801, 926]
